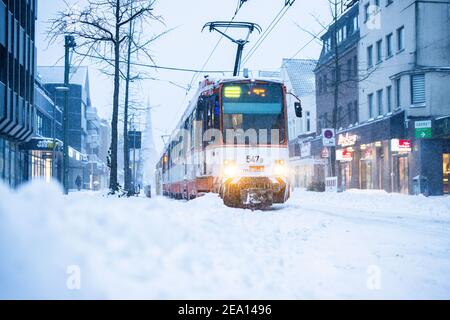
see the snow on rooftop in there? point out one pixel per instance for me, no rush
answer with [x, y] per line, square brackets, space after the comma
[301, 75]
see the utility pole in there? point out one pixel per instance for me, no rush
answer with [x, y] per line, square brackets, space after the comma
[126, 162]
[336, 88]
[69, 43]
[57, 89]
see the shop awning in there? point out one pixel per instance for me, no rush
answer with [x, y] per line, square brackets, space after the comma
[42, 144]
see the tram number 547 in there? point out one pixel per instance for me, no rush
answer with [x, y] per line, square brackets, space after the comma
[254, 159]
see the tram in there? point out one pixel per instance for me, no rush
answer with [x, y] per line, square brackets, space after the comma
[231, 140]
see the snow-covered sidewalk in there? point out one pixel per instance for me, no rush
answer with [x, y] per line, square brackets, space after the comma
[356, 244]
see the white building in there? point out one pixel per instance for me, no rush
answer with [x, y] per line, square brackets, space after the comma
[404, 54]
[298, 75]
[404, 59]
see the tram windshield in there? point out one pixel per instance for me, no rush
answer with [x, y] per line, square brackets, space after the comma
[253, 106]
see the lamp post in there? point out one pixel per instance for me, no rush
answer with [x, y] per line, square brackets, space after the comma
[69, 43]
[57, 89]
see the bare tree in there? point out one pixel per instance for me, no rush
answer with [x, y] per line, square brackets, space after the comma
[101, 29]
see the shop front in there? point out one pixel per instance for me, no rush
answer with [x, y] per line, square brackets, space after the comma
[374, 155]
[432, 153]
[45, 157]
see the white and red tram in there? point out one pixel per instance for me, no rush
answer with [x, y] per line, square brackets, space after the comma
[231, 140]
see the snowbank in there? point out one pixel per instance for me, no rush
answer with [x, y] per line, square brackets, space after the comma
[316, 246]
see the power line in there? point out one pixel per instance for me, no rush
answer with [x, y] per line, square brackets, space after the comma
[269, 29]
[198, 72]
[263, 34]
[152, 65]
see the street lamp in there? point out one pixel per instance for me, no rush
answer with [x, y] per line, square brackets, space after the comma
[57, 89]
[69, 43]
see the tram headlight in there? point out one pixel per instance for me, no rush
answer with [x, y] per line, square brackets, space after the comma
[229, 168]
[280, 168]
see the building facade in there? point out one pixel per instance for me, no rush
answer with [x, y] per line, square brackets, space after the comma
[96, 173]
[79, 103]
[404, 82]
[45, 147]
[337, 79]
[17, 73]
[298, 76]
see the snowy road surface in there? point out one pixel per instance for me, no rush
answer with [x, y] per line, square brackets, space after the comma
[350, 245]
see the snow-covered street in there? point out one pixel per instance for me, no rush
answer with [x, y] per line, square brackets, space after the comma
[357, 244]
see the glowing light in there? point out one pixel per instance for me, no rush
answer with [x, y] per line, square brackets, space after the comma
[232, 92]
[280, 169]
[230, 169]
[259, 91]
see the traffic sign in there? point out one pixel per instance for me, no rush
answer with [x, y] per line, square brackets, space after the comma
[134, 139]
[422, 129]
[328, 137]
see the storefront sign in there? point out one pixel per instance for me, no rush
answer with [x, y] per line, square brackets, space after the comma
[305, 149]
[344, 155]
[422, 129]
[346, 140]
[399, 145]
[42, 144]
[328, 137]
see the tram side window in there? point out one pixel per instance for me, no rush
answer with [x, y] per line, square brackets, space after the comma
[214, 112]
[202, 112]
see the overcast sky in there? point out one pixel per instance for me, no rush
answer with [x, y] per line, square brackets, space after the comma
[188, 47]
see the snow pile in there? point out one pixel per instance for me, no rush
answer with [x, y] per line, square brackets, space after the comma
[350, 245]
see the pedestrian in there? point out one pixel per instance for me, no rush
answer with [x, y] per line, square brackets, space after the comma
[78, 182]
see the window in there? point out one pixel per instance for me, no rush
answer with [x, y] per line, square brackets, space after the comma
[355, 24]
[398, 87]
[366, 12]
[400, 38]
[355, 66]
[327, 44]
[389, 98]
[377, 3]
[369, 56]
[379, 52]
[418, 88]
[355, 111]
[380, 101]
[389, 45]
[341, 34]
[308, 121]
[325, 83]
[370, 104]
